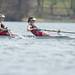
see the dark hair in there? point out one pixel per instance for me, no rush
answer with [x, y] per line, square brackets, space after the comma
[2, 26]
[29, 19]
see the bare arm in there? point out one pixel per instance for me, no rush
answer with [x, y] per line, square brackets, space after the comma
[29, 28]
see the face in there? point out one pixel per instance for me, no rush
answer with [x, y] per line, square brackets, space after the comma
[1, 19]
[32, 21]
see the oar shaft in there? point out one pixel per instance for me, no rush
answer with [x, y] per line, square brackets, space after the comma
[59, 31]
[67, 32]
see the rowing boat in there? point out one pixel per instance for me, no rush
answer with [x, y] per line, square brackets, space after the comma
[53, 37]
[55, 34]
[48, 37]
[3, 33]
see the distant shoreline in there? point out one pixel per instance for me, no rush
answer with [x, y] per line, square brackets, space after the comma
[47, 20]
[52, 20]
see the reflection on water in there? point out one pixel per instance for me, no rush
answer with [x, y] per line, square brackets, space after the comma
[33, 56]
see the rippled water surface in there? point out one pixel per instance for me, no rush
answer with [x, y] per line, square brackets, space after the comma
[37, 56]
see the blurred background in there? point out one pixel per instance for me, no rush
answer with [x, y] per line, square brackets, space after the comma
[19, 10]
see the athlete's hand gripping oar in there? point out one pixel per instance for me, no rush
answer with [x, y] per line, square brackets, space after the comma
[58, 31]
[13, 35]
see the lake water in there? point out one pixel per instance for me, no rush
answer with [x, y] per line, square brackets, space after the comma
[33, 56]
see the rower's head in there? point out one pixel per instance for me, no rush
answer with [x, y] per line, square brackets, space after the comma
[2, 17]
[31, 20]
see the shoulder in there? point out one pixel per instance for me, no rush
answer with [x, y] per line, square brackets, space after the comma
[2, 24]
[29, 25]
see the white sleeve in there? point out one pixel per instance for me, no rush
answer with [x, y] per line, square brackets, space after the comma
[28, 27]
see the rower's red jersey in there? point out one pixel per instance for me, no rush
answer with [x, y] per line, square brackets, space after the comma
[37, 33]
[4, 33]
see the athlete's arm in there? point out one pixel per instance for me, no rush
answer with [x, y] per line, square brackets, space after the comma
[29, 28]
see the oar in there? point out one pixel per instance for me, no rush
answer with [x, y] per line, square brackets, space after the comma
[58, 31]
[12, 34]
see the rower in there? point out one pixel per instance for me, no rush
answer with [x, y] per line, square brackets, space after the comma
[2, 26]
[34, 29]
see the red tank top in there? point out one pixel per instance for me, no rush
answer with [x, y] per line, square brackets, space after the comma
[36, 31]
